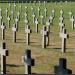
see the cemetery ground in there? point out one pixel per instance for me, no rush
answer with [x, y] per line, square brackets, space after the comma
[45, 59]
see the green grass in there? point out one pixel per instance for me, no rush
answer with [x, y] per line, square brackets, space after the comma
[45, 59]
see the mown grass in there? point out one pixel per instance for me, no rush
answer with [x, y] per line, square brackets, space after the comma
[45, 59]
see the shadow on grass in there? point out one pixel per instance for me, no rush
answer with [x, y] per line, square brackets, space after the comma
[13, 65]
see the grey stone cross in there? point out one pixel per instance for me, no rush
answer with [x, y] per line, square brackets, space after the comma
[28, 61]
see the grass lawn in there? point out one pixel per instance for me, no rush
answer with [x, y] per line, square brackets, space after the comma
[45, 59]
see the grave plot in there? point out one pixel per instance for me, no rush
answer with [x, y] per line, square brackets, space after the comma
[46, 14]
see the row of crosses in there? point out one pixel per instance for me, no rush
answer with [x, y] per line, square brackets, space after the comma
[28, 62]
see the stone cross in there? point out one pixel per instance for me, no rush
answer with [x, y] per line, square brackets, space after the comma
[61, 19]
[26, 8]
[33, 18]
[20, 8]
[73, 22]
[53, 13]
[18, 13]
[14, 33]
[70, 14]
[44, 34]
[36, 24]
[64, 36]
[61, 27]
[61, 69]
[38, 11]
[0, 11]
[27, 31]
[8, 18]
[48, 26]
[45, 11]
[0, 20]
[42, 19]
[39, 3]
[32, 9]
[44, 3]
[26, 21]
[9, 6]
[3, 53]
[6, 12]
[26, 15]
[12, 14]
[28, 61]
[3, 31]
[14, 6]
[51, 20]
[17, 23]
[61, 13]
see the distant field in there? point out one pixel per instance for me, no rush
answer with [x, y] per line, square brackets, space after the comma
[45, 59]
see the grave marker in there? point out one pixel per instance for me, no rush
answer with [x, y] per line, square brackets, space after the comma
[36, 24]
[18, 13]
[73, 22]
[27, 31]
[14, 33]
[3, 53]
[44, 34]
[62, 69]
[26, 21]
[61, 27]
[32, 9]
[6, 12]
[70, 14]
[64, 36]
[26, 15]
[33, 18]
[38, 11]
[48, 26]
[45, 11]
[39, 3]
[53, 13]
[9, 6]
[17, 23]
[12, 14]
[61, 19]
[42, 19]
[51, 20]
[14, 6]
[0, 20]
[8, 18]
[44, 3]
[28, 61]
[61, 13]
[3, 31]
[0, 11]
[20, 8]
[26, 8]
